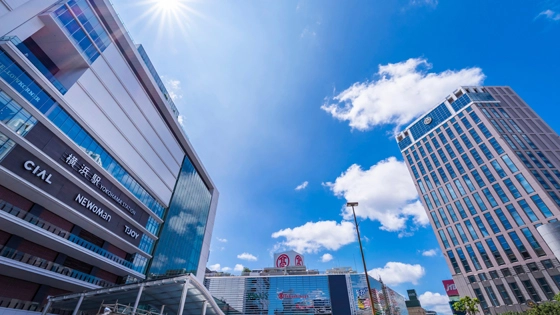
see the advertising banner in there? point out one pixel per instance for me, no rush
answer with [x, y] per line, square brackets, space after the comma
[450, 288]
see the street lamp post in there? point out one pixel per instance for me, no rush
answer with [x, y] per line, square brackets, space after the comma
[352, 205]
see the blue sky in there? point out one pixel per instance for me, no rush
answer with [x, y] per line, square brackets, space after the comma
[275, 94]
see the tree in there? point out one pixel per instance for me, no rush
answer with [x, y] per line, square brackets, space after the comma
[467, 304]
[245, 269]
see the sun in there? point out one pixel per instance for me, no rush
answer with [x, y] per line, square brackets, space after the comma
[168, 5]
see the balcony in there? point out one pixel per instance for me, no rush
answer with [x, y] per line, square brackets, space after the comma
[41, 263]
[30, 218]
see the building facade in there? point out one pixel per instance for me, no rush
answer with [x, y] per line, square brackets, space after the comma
[487, 169]
[99, 185]
[338, 294]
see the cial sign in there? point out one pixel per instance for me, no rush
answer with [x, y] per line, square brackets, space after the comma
[450, 288]
[38, 171]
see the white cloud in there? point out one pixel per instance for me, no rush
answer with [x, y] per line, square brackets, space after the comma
[394, 273]
[223, 240]
[173, 87]
[214, 267]
[550, 15]
[326, 257]
[226, 269]
[315, 236]
[435, 302]
[401, 92]
[302, 186]
[181, 120]
[247, 256]
[385, 193]
[178, 223]
[178, 260]
[238, 267]
[430, 252]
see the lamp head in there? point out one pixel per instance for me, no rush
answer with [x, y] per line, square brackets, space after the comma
[351, 204]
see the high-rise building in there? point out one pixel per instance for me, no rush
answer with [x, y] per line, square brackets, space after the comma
[487, 169]
[98, 182]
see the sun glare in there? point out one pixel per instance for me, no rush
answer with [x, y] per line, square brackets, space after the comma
[168, 5]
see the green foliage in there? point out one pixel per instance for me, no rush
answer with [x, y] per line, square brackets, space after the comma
[468, 305]
[546, 308]
[245, 269]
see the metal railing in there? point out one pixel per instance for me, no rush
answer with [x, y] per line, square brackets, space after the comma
[20, 304]
[38, 262]
[30, 218]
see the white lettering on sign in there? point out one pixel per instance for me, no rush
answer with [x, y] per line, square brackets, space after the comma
[129, 231]
[95, 179]
[38, 171]
[88, 204]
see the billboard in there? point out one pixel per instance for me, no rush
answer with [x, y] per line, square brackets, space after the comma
[288, 259]
[450, 288]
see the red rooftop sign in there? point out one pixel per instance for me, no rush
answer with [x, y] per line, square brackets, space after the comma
[450, 288]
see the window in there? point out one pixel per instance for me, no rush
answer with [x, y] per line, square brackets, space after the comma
[495, 252]
[454, 263]
[436, 143]
[474, 117]
[467, 161]
[501, 193]
[545, 159]
[516, 292]
[519, 244]
[510, 163]
[498, 168]
[452, 213]
[466, 123]
[540, 179]
[480, 203]
[428, 182]
[491, 222]
[486, 113]
[443, 195]
[442, 156]
[429, 147]
[452, 236]
[515, 126]
[515, 215]
[506, 272]
[547, 264]
[503, 123]
[458, 128]
[484, 130]
[470, 205]
[531, 290]
[492, 295]
[428, 165]
[443, 175]
[482, 276]
[545, 288]
[477, 157]
[481, 298]
[466, 141]
[435, 219]
[450, 133]
[435, 178]
[531, 144]
[459, 166]
[481, 227]
[409, 158]
[524, 183]
[443, 239]
[496, 146]
[551, 179]
[503, 113]
[475, 136]
[462, 233]
[436, 199]
[488, 173]
[503, 219]
[519, 142]
[422, 152]
[435, 159]
[495, 113]
[532, 266]
[508, 140]
[478, 179]
[443, 216]
[458, 146]
[442, 138]
[484, 255]
[451, 191]
[534, 159]
[528, 211]
[428, 202]
[450, 170]
[415, 171]
[421, 185]
[450, 151]
[471, 229]
[503, 293]
[473, 257]
[512, 189]
[460, 208]
[460, 187]
[486, 151]
[463, 260]
[542, 206]
[554, 197]
[507, 249]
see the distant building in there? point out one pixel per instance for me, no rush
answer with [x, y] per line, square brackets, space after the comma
[413, 304]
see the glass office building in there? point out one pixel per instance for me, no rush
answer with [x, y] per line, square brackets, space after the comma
[96, 174]
[304, 294]
[486, 167]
